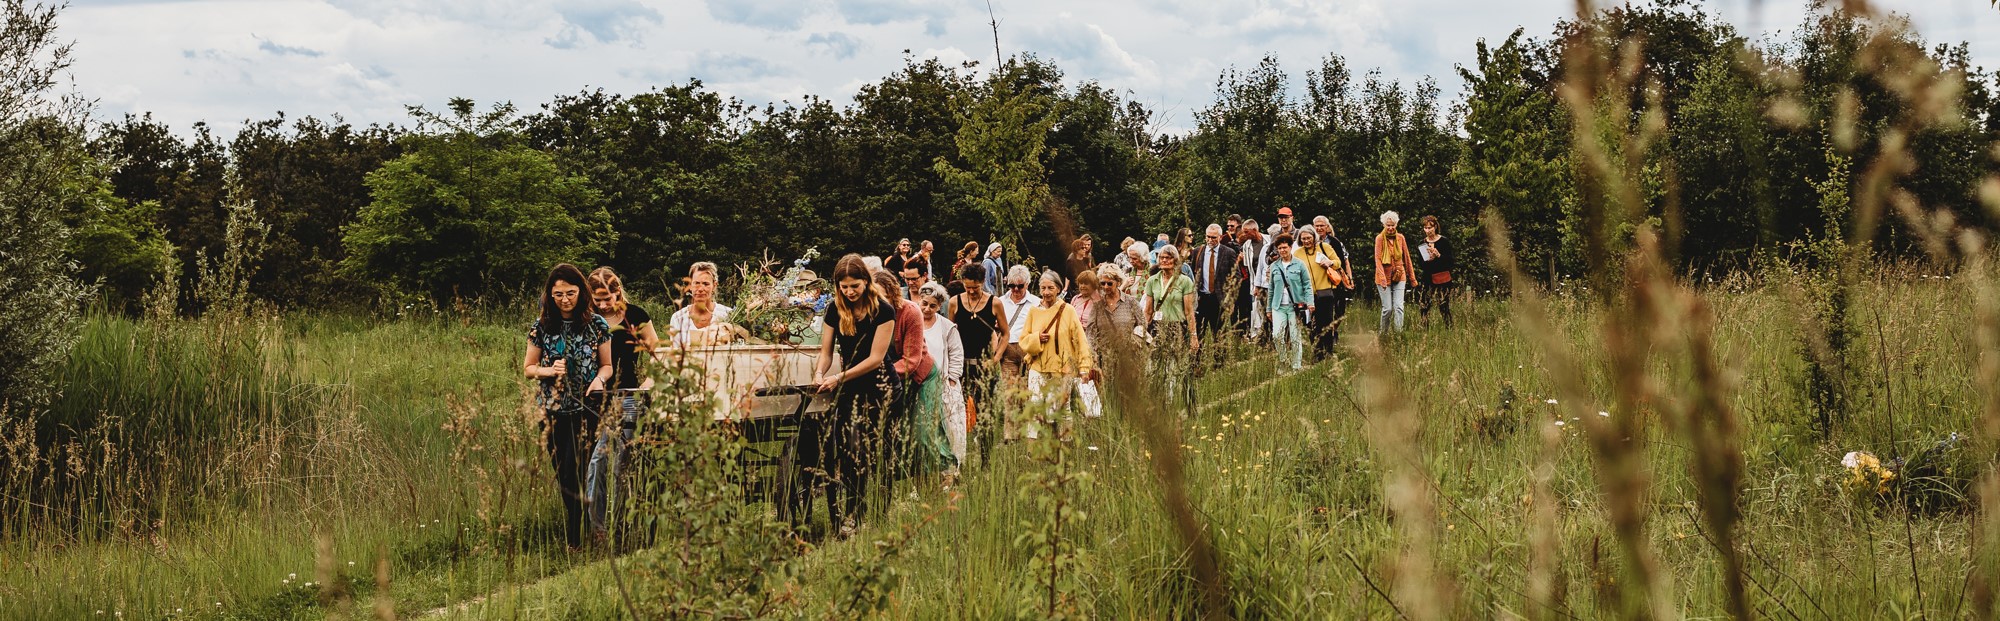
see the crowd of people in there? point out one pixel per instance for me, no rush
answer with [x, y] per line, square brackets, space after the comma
[914, 362]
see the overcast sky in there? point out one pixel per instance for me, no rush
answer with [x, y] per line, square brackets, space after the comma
[224, 61]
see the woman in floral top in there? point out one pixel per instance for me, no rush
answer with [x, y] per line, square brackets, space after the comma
[569, 354]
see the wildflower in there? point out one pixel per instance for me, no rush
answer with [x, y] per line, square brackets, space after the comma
[1559, 423]
[1604, 414]
[1550, 402]
[1091, 447]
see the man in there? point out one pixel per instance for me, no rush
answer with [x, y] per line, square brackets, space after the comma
[1329, 331]
[1256, 279]
[1162, 241]
[996, 269]
[1229, 230]
[1214, 263]
[914, 280]
[1285, 227]
[923, 258]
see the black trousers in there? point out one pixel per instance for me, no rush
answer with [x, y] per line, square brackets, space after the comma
[569, 437]
[1328, 307]
[1438, 295]
[837, 451]
[1208, 311]
[1240, 317]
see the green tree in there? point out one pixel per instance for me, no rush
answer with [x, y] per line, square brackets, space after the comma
[44, 167]
[116, 245]
[1514, 160]
[470, 210]
[1721, 147]
[1003, 141]
[306, 179]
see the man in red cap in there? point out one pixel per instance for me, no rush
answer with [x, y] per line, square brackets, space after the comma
[1284, 226]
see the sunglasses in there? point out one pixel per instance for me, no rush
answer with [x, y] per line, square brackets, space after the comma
[1017, 286]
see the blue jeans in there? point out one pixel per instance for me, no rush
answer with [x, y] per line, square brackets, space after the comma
[1392, 303]
[1289, 337]
[604, 456]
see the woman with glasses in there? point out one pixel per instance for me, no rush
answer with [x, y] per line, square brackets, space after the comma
[569, 356]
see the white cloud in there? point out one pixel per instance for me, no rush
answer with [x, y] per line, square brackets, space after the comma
[228, 60]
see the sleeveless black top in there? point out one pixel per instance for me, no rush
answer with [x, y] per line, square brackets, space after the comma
[975, 329]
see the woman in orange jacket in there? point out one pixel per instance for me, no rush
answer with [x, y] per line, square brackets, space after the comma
[1393, 271]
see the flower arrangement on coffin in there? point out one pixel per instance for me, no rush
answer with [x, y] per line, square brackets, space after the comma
[778, 307]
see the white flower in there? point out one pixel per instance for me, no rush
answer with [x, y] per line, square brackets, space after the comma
[1560, 423]
[1604, 414]
[1091, 447]
[1550, 402]
[1852, 459]
[291, 576]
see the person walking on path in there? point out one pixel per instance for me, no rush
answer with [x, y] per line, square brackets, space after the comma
[1168, 299]
[913, 364]
[1291, 304]
[854, 365]
[1254, 271]
[569, 357]
[1434, 265]
[1058, 356]
[941, 423]
[982, 330]
[699, 323]
[1393, 272]
[996, 268]
[1326, 323]
[1214, 262]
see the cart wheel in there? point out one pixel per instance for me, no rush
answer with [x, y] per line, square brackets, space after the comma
[786, 478]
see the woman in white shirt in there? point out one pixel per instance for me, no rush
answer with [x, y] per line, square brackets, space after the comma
[700, 322]
[940, 335]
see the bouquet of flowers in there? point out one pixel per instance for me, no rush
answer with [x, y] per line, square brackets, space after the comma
[771, 305]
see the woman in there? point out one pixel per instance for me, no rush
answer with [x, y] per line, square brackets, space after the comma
[1434, 264]
[1393, 271]
[1168, 297]
[569, 355]
[1141, 257]
[854, 364]
[905, 433]
[966, 256]
[1291, 301]
[700, 322]
[1112, 315]
[1057, 355]
[1085, 297]
[631, 337]
[1326, 270]
[941, 338]
[982, 334]
[996, 267]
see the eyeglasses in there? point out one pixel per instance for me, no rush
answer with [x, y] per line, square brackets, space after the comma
[1017, 285]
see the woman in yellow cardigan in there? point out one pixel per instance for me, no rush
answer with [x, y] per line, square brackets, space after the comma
[1058, 355]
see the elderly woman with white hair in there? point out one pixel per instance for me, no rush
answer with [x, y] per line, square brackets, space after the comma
[948, 414]
[1058, 354]
[1393, 271]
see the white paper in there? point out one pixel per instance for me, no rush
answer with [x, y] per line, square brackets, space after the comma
[1428, 253]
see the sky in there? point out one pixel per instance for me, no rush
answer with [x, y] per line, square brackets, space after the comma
[228, 61]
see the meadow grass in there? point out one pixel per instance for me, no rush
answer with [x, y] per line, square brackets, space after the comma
[1291, 489]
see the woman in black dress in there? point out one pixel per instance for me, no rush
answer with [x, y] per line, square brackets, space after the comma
[982, 330]
[853, 364]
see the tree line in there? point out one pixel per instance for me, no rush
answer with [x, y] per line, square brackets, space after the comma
[471, 202]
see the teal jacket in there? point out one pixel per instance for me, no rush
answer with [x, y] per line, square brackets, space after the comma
[1289, 276]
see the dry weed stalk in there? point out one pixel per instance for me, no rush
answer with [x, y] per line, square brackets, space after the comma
[1547, 588]
[1422, 591]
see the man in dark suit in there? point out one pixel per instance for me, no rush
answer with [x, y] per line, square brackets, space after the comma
[1214, 262]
